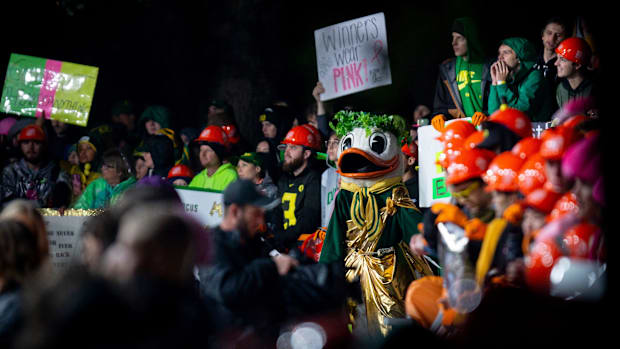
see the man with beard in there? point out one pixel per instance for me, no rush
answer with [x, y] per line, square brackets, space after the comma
[244, 284]
[34, 177]
[299, 187]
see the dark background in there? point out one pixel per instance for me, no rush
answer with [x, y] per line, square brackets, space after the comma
[250, 53]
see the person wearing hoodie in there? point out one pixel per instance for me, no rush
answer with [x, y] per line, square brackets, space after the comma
[154, 118]
[116, 177]
[276, 121]
[462, 87]
[158, 154]
[515, 80]
[216, 175]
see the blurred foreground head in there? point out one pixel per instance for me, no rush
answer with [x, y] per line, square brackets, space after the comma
[25, 212]
[154, 240]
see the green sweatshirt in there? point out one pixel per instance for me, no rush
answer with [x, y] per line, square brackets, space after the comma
[224, 175]
[100, 194]
[528, 90]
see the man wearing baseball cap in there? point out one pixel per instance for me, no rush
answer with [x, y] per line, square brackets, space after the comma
[242, 280]
[34, 176]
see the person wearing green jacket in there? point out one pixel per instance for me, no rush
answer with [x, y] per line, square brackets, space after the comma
[213, 149]
[115, 179]
[515, 80]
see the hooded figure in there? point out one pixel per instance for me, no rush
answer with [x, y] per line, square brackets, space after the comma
[279, 116]
[162, 152]
[156, 113]
[374, 218]
[462, 87]
[525, 88]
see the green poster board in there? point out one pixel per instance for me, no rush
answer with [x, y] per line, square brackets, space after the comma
[39, 87]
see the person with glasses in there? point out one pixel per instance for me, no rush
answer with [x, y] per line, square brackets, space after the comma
[116, 177]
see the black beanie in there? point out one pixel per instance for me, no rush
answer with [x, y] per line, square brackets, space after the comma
[458, 27]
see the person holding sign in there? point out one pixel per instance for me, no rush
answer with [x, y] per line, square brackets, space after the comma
[462, 87]
[35, 177]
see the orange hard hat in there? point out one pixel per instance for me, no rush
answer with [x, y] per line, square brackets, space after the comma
[502, 172]
[447, 156]
[213, 134]
[410, 149]
[473, 140]
[231, 133]
[422, 300]
[303, 135]
[542, 200]
[555, 142]
[515, 120]
[567, 204]
[526, 147]
[580, 240]
[532, 174]
[574, 121]
[180, 170]
[539, 262]
[32, 133]
[466, 165]
[575, 50]
[455, 133]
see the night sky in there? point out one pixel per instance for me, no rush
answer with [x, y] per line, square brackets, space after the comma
[182, 53]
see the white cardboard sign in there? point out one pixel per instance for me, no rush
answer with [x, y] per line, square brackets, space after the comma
[352, 56]
[206, 206]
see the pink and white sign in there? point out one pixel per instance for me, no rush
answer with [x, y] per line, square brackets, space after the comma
[352, 56]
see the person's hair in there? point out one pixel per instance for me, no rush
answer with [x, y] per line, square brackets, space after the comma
[220, 119]
[19, 254]
[103, 227]
[558, 20]
[25, 211]
[164, 237]
[120, 162]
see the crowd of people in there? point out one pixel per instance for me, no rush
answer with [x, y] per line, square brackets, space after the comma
[151, 276]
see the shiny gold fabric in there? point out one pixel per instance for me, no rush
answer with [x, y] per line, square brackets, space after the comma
[70, 212]
[384, 274]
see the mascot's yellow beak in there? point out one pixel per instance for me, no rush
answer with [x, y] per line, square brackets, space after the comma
[356, 163]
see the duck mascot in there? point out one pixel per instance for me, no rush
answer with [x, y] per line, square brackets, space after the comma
[374, 219]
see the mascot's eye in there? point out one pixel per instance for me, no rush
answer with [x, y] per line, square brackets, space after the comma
[347, 142]
[377, 142]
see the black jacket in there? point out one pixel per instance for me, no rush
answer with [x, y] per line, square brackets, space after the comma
[300, 210]
[242, 284]
[443, 101]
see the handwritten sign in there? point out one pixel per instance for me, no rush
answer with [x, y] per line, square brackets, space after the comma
[59, 90]
[353, 56]
[206, 206]
[432, 177]
[63, 234]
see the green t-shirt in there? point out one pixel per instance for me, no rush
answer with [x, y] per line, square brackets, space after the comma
[468, 79]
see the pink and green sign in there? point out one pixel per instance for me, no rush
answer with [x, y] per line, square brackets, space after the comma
[57, 90]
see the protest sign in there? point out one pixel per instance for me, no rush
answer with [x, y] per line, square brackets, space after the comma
[352, 56]
[58, 90]
[432, 177]
[64, 237]
[205, 205]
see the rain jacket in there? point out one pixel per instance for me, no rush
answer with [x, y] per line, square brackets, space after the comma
[224, 175]
[21, 182]
[100, 194]
[527, 91]
[443, 102]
